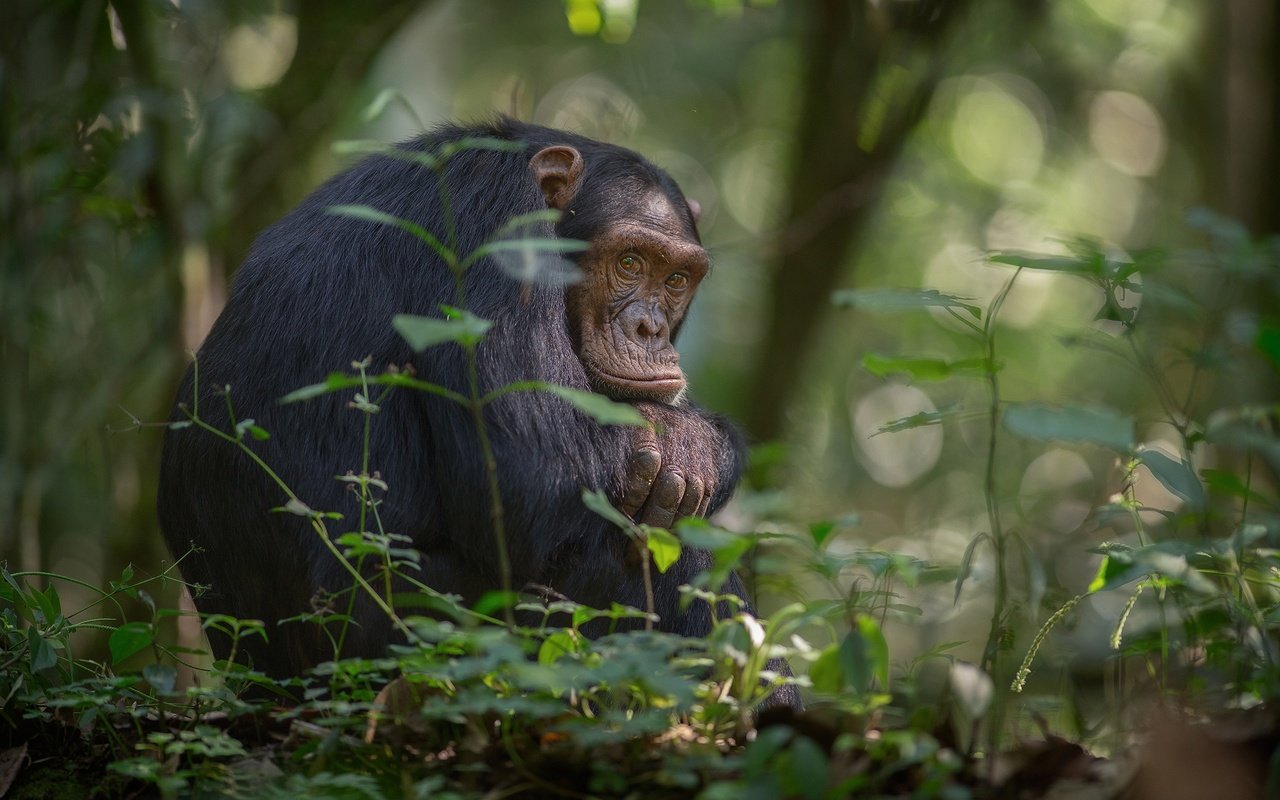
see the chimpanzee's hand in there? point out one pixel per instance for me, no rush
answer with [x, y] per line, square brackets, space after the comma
[673, 466]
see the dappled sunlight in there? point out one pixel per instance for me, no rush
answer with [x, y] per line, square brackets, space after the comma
[257, 54]
[1127, 13]
[1057, 490]
[1099, 200]
[750, 176]
[965, 271]
[592, 105]
[996, 135]
[1127, 132]
[902, 458]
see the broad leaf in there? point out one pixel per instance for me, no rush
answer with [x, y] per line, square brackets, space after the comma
[665, 547]
[597, 502]
[1227, 482]
[556, 646]
[424, 332]
[531, 244]
[412, 228]
[597, 406]
[1122, 564]
[43, 656]
[1175, 475]
[1071, 424]
[863, 657]
[1051, 263]
[162, 677]
[130, 638]
[820, 531]
[495, 600]
[1268, 341]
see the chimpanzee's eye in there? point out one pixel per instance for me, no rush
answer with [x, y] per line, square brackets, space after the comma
[630, 263]
[678, 281]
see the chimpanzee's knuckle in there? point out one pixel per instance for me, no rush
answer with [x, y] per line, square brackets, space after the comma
[668, 490]
[646, 462]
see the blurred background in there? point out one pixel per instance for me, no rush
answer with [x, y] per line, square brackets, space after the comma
[832, 144]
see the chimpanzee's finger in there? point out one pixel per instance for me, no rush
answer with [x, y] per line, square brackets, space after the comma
[660, 509]
[642, 470]
[705, 508]
[693, 494]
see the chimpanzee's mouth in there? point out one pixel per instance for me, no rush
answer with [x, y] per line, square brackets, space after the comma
[653, 386]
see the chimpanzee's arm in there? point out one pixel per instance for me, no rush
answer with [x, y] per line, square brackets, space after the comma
[687, 464]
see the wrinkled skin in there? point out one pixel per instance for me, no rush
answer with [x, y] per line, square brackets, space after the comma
[640, 277]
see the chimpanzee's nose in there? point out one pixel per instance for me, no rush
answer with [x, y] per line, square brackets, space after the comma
[645, 321]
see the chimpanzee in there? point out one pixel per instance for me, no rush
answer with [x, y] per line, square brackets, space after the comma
[318, 289]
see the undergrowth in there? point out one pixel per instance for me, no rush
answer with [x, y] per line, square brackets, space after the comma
[473, 704]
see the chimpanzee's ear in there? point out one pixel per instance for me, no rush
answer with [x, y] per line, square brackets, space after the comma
[695, 208]
[557, 170]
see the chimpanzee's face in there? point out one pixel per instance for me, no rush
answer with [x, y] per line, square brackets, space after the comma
[639, 276]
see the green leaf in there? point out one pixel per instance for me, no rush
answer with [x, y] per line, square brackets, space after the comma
[528, 244]
[247, 426]
[665, 547]
[162, 677]
[861, 659]
[522, 222]
[1051, 263]
[412, 228]
[1110, 570]
[495, 600]
[825, 673]
[450, 149]
[597, 502]
[890, 300]
[1268, 341]
[1175, 475]
[557, 646]
[924, 369]
[918, 420]
[337, 381]
[1071, 424]
[53, 602]
[1227, 482]
[43, 656]
[129, 639]
[809, 768]
[966, 564]
[726, 548]
[597, 406]
[384, 99]
[424, 332]
[877, 649]
[760, 752]
[820, 531]
[1122, 564]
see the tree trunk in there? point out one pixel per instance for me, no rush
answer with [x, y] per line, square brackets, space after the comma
[847, 142]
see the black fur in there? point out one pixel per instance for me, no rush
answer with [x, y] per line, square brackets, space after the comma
[319, 290]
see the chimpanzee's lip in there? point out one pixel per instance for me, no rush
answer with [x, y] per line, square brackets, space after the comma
[671, 382]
